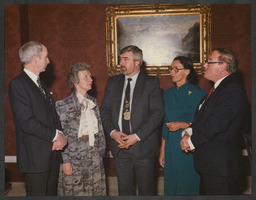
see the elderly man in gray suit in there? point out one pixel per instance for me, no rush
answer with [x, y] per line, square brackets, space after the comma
[37, 124]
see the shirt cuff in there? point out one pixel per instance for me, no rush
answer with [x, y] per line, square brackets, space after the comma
[137, 136]
[188, 130]
[112, 132]
[56, 135]
[192, 147]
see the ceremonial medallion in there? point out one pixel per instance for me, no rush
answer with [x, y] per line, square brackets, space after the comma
[127, 115]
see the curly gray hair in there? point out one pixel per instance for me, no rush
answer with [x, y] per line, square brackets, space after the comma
[73, 73]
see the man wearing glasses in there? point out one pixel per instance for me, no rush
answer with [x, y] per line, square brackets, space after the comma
[214, 136]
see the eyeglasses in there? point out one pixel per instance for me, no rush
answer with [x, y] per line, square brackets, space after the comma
[209, 63]
[175, 69]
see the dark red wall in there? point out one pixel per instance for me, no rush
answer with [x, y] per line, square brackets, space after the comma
[77, 33]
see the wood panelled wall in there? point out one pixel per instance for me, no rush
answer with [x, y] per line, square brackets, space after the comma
[77, 33]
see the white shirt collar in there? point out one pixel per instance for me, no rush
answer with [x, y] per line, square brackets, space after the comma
[134, 79]
[31, 75]
[134, 76]
[216, 84]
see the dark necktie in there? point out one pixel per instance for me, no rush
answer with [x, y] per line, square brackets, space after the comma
[126, 109]
[210, 92]
[40, 87]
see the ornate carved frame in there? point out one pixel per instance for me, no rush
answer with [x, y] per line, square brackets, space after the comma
[114, 12]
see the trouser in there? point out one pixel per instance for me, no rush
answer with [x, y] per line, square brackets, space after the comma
[131, 171]
[43, 183]
[217, 185]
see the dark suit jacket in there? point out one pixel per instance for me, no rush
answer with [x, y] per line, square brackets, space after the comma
[216, 133]
[36, 122]
[146, 114]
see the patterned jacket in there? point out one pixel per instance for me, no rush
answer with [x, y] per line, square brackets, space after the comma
[69, 111]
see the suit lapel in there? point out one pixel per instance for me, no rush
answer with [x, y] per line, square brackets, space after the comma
[30, 82]
[47, 93]
[118, 92]
[208, 103]
[33, 85]
[138, 89]
[38, 94]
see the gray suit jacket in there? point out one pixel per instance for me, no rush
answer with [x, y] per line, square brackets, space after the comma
[146, 115]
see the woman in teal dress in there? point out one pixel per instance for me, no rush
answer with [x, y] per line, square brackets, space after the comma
[181, 101]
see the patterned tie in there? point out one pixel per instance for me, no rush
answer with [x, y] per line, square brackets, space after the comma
[40, 87]
[210, 92]
[126, 109]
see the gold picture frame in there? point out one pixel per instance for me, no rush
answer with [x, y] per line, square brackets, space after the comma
[117, 17]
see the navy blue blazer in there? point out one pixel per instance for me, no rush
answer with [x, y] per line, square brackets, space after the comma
[216, 134]
[35, 121]
[146, 115]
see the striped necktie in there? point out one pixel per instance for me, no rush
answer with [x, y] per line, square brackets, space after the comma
[40, 87]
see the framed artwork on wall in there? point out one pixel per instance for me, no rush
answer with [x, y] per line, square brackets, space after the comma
[162, 31]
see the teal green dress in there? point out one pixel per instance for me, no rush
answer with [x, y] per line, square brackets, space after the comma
[180, 177]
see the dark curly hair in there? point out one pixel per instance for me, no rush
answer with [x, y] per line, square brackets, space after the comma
[188, 64]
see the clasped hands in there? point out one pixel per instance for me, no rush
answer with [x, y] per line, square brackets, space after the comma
[184, 143]
[124, 140]
[174, 126]
[60, 142]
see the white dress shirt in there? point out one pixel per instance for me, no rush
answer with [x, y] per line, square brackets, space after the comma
[132, 86]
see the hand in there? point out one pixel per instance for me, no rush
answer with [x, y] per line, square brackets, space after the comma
[161, 154]
[161, 158]
[184, 143]
[174, 126]
[60, 142]
[118, 137]
[129, 141]
[67, 169]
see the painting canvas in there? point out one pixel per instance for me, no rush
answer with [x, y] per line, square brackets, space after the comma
[161, 38]
[161, 31]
